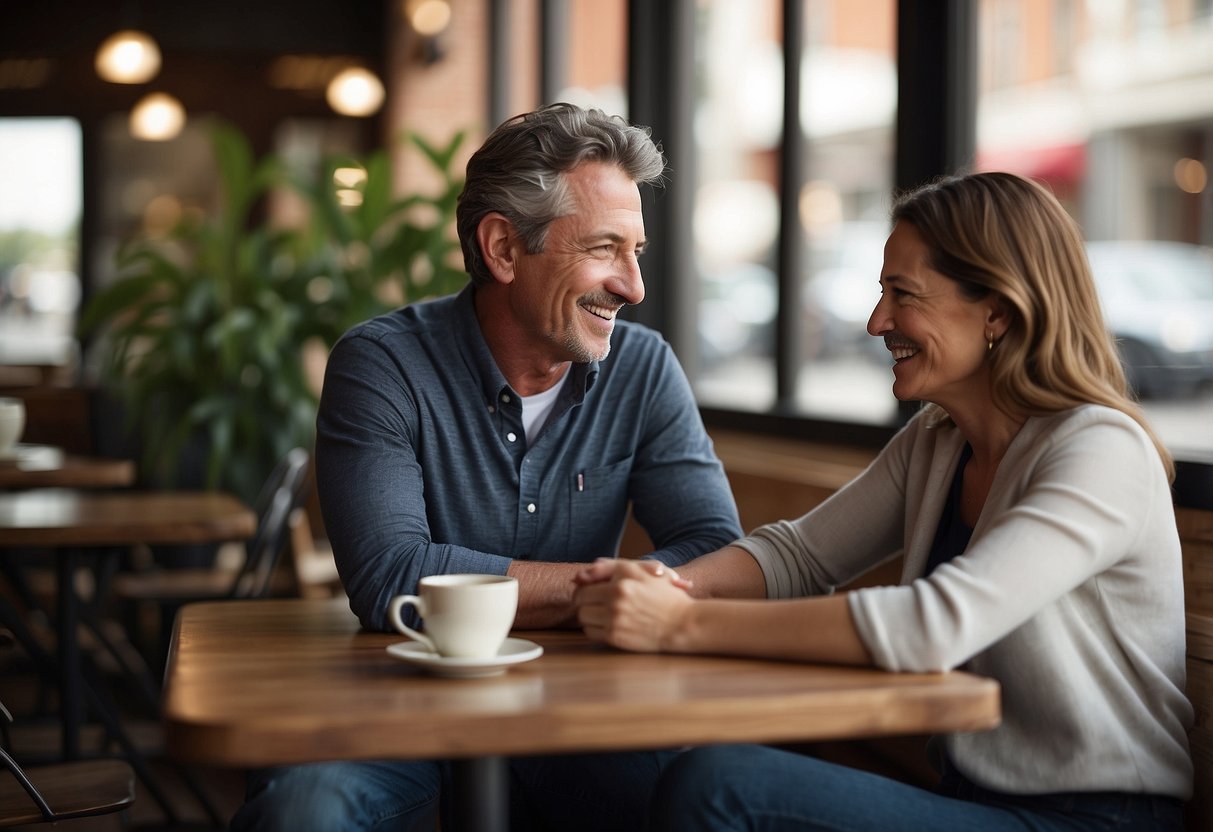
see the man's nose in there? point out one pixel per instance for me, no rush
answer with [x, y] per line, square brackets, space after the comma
[629, 285]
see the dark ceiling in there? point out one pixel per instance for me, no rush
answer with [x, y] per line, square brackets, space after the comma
[58, 27]
[216, 55]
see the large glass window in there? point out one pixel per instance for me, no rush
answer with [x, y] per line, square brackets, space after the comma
[40, 201]
[847, 105]
[1108, 114]
[1104, 102]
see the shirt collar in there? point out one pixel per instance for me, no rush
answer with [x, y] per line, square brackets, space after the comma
[476, 354]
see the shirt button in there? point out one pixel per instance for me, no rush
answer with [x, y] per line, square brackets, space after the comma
[505, 397]
[511, 436]
[530, 507]
[492, 409]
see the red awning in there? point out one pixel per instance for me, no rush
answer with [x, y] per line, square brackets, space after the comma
[1061, 164]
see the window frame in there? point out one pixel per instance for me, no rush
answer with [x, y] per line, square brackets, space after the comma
[936, 83]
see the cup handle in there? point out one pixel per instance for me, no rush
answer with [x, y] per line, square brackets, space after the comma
[393, 612]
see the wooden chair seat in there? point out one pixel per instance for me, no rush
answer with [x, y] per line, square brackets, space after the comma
[72, 790]
[47, 794]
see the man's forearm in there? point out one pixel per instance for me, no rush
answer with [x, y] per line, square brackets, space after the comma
[545, 594]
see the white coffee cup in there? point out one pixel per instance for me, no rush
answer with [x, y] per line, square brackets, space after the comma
[12, 423]
[466, 616]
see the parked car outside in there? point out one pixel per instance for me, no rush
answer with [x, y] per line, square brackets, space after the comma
[1157, 297]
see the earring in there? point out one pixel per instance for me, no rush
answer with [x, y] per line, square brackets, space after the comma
[989, 341]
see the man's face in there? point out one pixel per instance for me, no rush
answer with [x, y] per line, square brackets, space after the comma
[566, 297]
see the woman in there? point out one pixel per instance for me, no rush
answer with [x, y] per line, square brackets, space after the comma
[1031, 502]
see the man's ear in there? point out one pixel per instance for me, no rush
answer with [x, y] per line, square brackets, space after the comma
[496, 237]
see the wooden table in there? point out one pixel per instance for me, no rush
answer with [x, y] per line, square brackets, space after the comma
[42, 466]
[68, 521]
[258, 683]
[62, 517]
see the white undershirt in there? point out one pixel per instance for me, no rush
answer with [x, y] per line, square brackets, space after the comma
[535, 409]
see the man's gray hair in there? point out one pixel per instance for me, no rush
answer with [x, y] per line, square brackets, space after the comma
[519, 171]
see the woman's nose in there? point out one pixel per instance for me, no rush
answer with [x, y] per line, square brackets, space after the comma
[879, 322]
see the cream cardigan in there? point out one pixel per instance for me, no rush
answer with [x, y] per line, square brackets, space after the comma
[1070, 594]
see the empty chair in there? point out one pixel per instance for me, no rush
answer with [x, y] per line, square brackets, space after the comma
[51, 793]
[48, 794]
[170, 588]
[315, 569]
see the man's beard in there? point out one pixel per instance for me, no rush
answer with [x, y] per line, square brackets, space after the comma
[577, 348]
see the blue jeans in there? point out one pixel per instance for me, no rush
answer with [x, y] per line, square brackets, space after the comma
[757, 788]
[593, 792]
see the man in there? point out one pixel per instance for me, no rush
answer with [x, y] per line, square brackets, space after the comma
[490, 432]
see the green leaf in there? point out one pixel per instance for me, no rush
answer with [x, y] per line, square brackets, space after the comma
[201, 334]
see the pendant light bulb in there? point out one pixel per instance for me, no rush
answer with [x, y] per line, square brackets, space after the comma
[355, 92]
[157, 117]
[128, 57]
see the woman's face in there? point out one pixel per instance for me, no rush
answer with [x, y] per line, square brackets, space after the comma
[938, 337]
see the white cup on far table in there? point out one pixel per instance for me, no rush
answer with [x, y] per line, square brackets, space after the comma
[466, 616]
[12, 424]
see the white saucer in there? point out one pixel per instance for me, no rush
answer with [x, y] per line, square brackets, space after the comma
[512, 651]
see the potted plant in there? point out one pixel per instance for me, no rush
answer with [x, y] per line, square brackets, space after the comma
[202, 332]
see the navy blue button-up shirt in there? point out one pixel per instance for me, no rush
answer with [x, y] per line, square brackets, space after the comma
[423, 468]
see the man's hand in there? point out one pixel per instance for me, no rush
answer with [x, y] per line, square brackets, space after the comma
[635, 605]
[603, 569]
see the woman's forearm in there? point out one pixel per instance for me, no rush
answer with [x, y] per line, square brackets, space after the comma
[801, 629]
[730, 572]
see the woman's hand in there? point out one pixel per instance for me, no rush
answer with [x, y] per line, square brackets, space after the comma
[634, 605]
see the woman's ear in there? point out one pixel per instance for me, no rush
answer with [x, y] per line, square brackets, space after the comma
[998, 317]
[496, 237]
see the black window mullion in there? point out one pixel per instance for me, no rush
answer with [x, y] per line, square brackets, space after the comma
[499, 62]
[936, 128]
[790, 265]
[661, 55]
[554, 50]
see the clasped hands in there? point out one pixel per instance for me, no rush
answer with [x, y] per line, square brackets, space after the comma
[632, 604]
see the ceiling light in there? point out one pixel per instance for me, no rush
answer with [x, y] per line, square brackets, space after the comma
[428, 17]
[128, 57]
[355, 92]
[157, 117]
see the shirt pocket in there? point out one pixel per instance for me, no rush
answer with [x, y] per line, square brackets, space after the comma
[598, 504]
